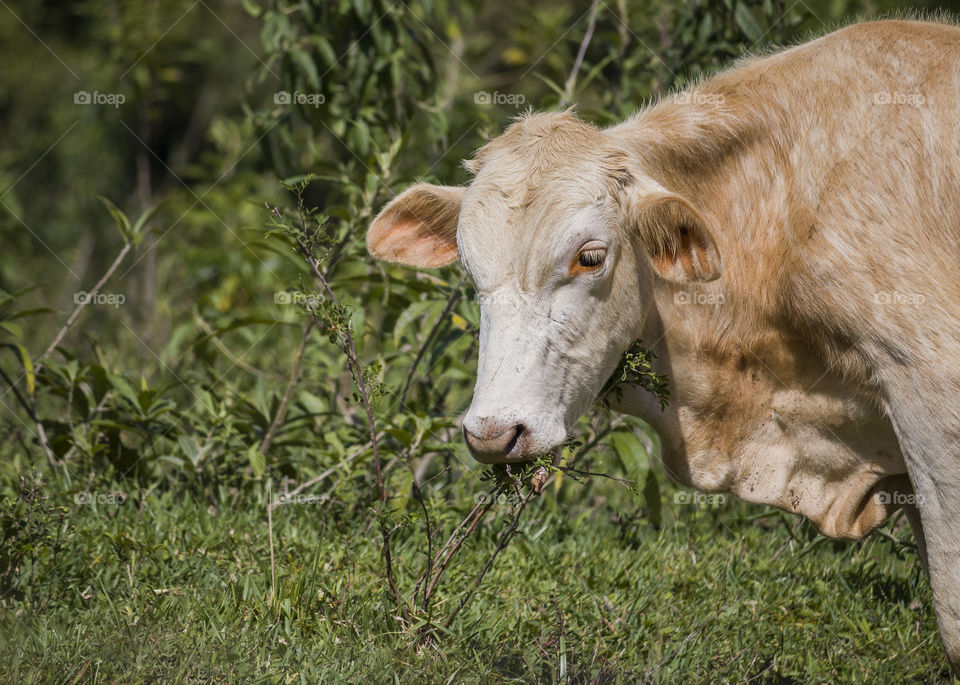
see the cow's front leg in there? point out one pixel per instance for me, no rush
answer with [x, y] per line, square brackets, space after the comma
[933, 462]
[946, 596]
[940, 516]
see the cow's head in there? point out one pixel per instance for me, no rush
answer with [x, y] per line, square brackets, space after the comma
[562, 234]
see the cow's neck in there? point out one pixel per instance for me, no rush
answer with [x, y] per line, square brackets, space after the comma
[762, 416]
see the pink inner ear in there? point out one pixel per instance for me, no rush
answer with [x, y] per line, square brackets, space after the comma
[410, 242]
[418, 227]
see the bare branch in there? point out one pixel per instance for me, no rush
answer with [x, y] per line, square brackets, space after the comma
[291, 384]
[79, 308]
[572, 78]
[504, 540]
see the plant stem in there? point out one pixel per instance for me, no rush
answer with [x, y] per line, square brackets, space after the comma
[504, 540]
[356, 371]
[79, 308]
[291, 384]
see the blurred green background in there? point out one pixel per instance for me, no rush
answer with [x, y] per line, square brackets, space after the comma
[139, 452]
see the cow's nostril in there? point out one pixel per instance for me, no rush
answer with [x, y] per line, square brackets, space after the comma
[517, 432]
[493, 448]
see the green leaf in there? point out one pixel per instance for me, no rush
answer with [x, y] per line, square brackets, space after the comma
[240, 323]
[403, 491]
[307, 66]
[141, 222]
[30, 312]
[744, 18]
[326, 50]
[703, 31]
[403, 436]
[125, 389]
[631, 451]
[190, 448]
[251, 8]
[552, 84]
[411, 313]
[123, 223]
[257, 460]
[27, 365]
[176, 461]
[13, 329]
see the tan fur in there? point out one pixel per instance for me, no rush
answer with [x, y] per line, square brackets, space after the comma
[820, 373]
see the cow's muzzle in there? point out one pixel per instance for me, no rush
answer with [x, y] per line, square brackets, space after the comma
[492, 447]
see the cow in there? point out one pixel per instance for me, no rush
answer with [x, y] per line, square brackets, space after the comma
[783, 236]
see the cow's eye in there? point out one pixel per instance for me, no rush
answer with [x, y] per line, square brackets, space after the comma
[589, 259]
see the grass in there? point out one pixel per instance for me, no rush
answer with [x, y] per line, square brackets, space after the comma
[175, 586]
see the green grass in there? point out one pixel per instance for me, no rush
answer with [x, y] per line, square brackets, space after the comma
[175, 587]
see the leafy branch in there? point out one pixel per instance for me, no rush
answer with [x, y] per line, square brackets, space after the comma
[636, 369]
[309, 234]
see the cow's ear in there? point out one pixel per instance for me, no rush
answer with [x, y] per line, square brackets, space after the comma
[418, 227]
[677, 239]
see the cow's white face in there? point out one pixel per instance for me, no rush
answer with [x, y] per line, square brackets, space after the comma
[561, 238]
[560, 301]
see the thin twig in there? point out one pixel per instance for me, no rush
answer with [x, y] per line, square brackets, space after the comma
[453, 544]
[237, 361]
[504, 540]
[79, 308]
[582, 452]
[349, 348]
[572, 78]
[31, 410]
[38, 363]
[426, 518]
[622, 30]
[45, 443]
[451, 303]
[568, 469]
[16, 393]
[324, 475]
[273, 568]
[291, 384]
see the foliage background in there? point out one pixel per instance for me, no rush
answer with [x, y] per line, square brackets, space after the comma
[140, 453]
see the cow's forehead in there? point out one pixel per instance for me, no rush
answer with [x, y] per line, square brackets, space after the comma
[541, 141]
[541, 153]
[533, 186]
[505, 242]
